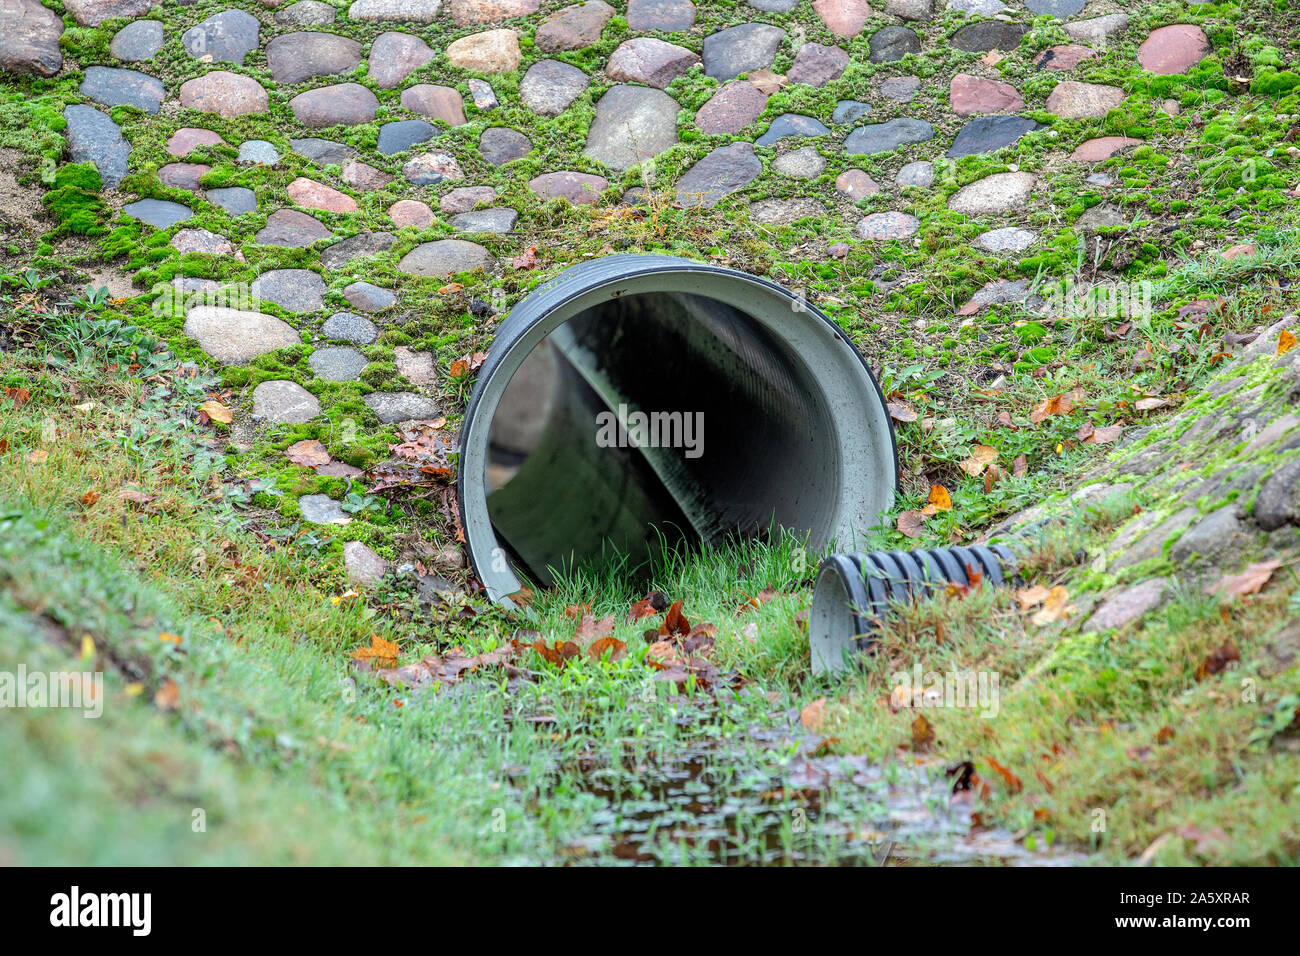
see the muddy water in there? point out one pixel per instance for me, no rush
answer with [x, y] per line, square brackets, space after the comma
[778, 800]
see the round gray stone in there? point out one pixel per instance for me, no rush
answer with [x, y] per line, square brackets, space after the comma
[885, 137]
[893, 43]
[349, 327]
[257, 152]
[344, 104]
[1061, 9]
[900, 89]
[294, 57]
[882, 226]
[993, 195]
[306, 13]
[498, 220]
[723, 171]
[95, 138]
[802, 163]
[390, 407]
[791, 124]
[337, 363]
[400, 136]
[1010, 239]
[550, 86]
[324, 152]
[667, 16]
[987, 134]
[741, 49]
[292, 229]
[368, 297]
[500, 145]
[138, 41]
[919, 173]
[988, 35]
[849, 111]
[294, 290]
[236, 336]
[117, 86]
[445, 257]
[285, 402]
[235, 200]
[322, 509]
[395, 56]
[159, 213]
[632, 124]
[361, 246]
[225, 37]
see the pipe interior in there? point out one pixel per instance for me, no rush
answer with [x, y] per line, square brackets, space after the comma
[738, 438]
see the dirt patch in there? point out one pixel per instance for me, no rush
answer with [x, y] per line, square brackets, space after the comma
[22, 217]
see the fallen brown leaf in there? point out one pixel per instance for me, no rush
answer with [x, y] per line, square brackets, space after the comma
[1217, 661]
[813, 717]
[910, 523]
[1249, 581]
[309, 453]
[217, 412]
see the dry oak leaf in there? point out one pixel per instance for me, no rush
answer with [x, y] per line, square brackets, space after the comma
[1104, 435]
[981, 456]
[590, 630]
[910, 522]
[939, 500]
[1056, 405]
[1250, 581]
[922, 733]
[1011, 780]
[599, 647]
[1217, 661]
[675, 622]
[217, 412]
[901, 412]
[813, 717]
[383, 652]
[309, 452]
[767, 81]
[1055, 606]
[168, 695]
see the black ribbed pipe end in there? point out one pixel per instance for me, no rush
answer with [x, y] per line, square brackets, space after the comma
[855, 591]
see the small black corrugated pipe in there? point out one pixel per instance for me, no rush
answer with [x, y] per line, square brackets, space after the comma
[854, 591]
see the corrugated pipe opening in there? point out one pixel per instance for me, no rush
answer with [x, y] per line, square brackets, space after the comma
[854, 591]
[638, 399]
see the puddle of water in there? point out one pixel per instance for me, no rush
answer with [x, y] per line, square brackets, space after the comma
[775, 801]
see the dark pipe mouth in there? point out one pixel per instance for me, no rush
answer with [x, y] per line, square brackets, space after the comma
[639, 399]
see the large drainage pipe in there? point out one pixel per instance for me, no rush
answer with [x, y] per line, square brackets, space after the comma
[854, 592]
[758, 413]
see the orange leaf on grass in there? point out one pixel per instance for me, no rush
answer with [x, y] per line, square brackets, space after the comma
[814, 715]
[675, 622]
[939, 500]
[922, 733]
[1056, 405]
[381, 651]
[1011, 780]
[981, 456]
